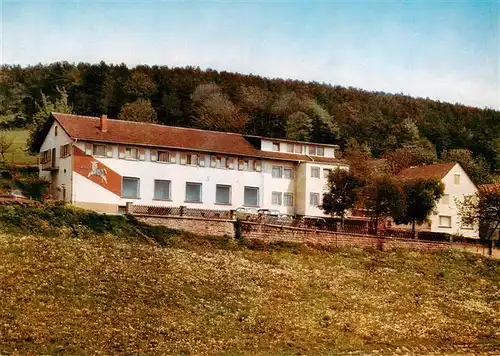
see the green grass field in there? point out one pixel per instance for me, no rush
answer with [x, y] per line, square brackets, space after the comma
[105, 295]
[17, 152]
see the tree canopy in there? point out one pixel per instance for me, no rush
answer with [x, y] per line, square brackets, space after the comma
[280, 108]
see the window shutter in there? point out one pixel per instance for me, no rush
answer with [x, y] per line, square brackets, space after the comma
[240, 164]
[258, 166]
[201, 160]
[88, 148]
[173, 157]
[109, 151]
[142, 154]
[121, 152]
[230, 163]
[183, 158]
[213, 161]
[153, 155]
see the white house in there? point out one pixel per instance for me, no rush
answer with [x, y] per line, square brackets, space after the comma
[102, 164]
[458, 187]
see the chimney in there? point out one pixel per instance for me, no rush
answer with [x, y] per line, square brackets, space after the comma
[104, 123]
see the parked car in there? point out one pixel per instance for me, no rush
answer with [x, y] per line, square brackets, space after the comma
[246, 213]
[271, 212]
[318, 223]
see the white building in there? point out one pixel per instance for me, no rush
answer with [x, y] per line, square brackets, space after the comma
[458, 187]
[102, 164]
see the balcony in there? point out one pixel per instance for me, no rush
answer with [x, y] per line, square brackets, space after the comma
[49, 166]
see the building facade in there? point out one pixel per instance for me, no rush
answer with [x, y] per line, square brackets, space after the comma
[102, 164]
[457, 187]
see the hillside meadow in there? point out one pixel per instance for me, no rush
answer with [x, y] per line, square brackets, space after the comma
[206, 296]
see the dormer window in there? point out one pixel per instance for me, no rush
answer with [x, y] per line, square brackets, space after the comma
[276, 146]
[320, 151]
[289, 147]
[298, 148]
[312, 150]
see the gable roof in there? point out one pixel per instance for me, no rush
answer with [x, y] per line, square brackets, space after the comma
[154, 135]
[438, 171]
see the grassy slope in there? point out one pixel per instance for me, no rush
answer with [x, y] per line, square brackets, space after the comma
[17, 154]
[107, 295]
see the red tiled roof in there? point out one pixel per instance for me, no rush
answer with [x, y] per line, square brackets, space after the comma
[145, 134]
[489, 187]
[438, 171]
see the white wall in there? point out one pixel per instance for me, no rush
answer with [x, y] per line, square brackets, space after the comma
[456, 192]
[147, 171]
[314, 185]
[63, 176]
[267, 145]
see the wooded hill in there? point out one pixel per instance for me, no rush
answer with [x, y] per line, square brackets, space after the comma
[191, 97]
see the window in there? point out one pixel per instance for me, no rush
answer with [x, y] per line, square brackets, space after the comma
[326, 173]
[320, 151]
[222, 194]
[162, 190]
[289, 147]
[276, 198]
[314, 199]
[192, 159]
[65, 152]
[444, 221]
[247, 165]
[288, 199]
[230, 163]
[276, 146]
[298, 149]
[287, 173]
[130, 188]
[99, 150]
[44, 157]
[193, 192]
[315, 172]
[445, 199]
[55, 130]
[312, 150]
[277, 172]
[251, 196]
[163, 156]
[457, 178]
[131, 153]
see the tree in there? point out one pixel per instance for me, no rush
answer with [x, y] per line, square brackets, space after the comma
[342, 193]
[6, 142]
[41, 117]
[140, 85]
[483, 209]
[298, 127]
[476, 167]
[420, 198]
[408, 156]
[140, 110]
[358, 158]
[382, 198]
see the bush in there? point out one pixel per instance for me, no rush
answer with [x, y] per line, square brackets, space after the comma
[33, 187]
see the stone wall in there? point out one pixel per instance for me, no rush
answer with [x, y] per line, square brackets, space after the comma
[274, 233]
[201, 226]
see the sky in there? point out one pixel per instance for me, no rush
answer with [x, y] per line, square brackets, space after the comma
[444, 50]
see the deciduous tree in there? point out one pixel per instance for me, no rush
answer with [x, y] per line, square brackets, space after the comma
[140, 110]
[483, 209]
[342, 194]
[383, 197]
[420, 198]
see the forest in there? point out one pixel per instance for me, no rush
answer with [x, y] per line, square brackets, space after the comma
[378, 123]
